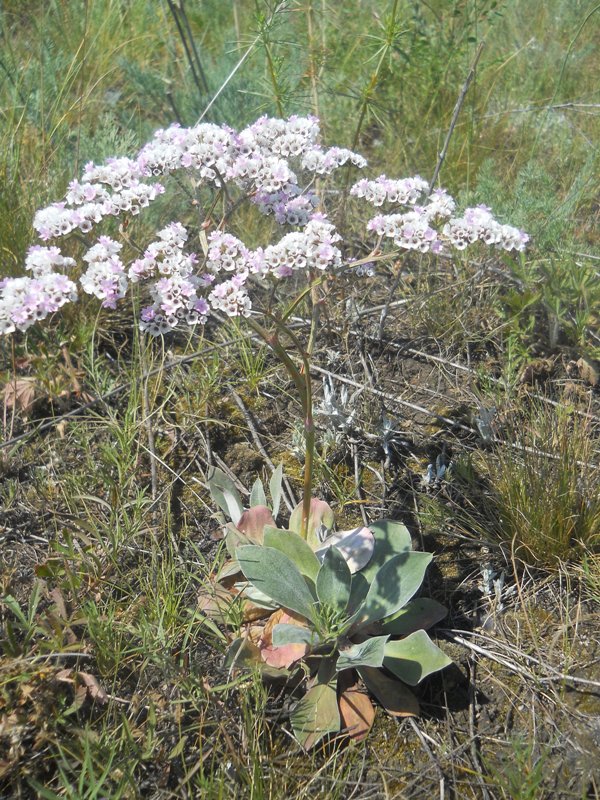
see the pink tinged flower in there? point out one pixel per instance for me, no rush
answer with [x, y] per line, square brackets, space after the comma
[62, 284]
[201, 306]
[187, 288]
[148, 313]
[206, 279]
[21, 315]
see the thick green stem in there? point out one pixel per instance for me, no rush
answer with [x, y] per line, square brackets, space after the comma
[302, 382]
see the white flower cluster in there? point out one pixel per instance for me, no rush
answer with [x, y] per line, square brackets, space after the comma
[24, 301]
[105, 276]
[411, 231]
[86, 203]
[324, 162]
[285, 138]
[478, 224]
[414, 229]
[231, 297]
[288, 207]
[256, 160]
[165, 255]
[42, 260]
[272, 163]
[175, 294]
[309, 249]
[227, 253]
[386, 190]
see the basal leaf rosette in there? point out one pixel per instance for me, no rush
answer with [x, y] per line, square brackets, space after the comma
[256, 525]
[350, 623]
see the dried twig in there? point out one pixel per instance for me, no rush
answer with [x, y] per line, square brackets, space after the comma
[434, 760]
[455, 113]
[555, 675]
[288, 498]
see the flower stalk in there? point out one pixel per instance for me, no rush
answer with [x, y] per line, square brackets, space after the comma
[302, 381]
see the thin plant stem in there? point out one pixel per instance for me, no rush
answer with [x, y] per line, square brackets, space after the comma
[312, 66]
[194, 49]
[374, 80]
[189, 56]
[272, 70]
[309, 424]
[236, 23]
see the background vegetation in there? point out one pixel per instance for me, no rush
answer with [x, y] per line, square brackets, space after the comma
[111, 682]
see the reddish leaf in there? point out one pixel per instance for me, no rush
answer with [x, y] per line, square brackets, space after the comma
[20, 394]
[284, 655]
[59, 602]
[320, 514]
[356, 712]
[253, 521]
[93, 689]
[85, 686]
[64, 675]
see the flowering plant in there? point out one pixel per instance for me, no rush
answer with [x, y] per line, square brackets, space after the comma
[348, 610]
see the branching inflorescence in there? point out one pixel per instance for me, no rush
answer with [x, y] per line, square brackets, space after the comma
[273, 164]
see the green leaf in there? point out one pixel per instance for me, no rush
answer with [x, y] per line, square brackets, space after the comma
[273, 573]
[393, 586]
[413, 658]
[178, 749]
[295, 547]
[257, 494]
[225, 494]
[275, 489]
[320, 514]
[418, 614]
[369, 653]
[255, 596]
[242, 653]
[334, 580]
[391, 538]
[316, 715]
[394, 696]
[284, 633]
[358, 592]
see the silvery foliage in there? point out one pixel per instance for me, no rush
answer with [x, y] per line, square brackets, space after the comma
[484, 422]
[390, 440]
[336, 413]
[436, 472]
